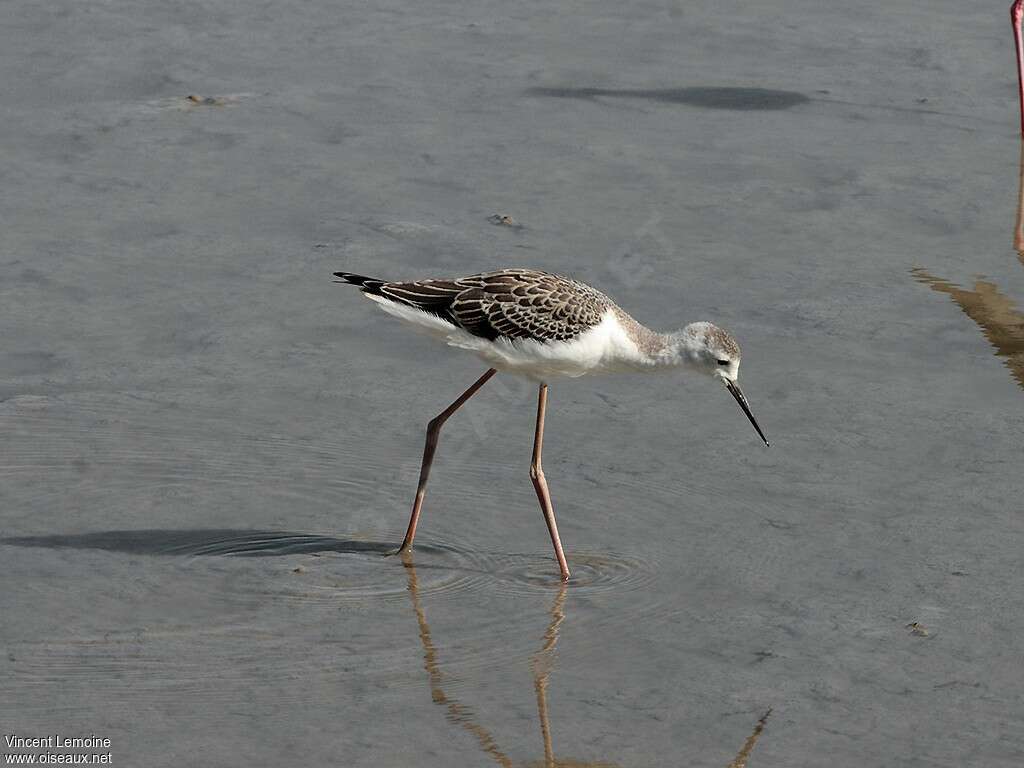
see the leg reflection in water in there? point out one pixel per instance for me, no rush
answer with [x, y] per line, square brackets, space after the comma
[457, 713]
[748, 746]
[541, 665]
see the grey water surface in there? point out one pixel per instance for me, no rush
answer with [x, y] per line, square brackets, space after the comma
[207, 448]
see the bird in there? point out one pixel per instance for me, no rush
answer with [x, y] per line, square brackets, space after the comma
[541, 325]
[1016, 17]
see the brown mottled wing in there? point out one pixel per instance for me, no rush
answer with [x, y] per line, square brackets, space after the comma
[524, 304]
[512, 303]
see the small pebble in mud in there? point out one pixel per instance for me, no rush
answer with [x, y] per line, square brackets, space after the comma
[504, 220]
[209, 101]
[918, 629]
[298, 569]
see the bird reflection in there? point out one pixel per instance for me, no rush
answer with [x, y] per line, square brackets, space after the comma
[541, 665]
[995, 313]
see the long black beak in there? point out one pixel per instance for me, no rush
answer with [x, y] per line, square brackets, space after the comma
[736, 392]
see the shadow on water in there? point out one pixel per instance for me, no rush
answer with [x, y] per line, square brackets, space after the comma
[706, 97]
[995, 313]
[204, 541]
[743, 99]
[542, 663]
[504, 570]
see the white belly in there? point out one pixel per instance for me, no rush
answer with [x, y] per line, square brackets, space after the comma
[602, 349]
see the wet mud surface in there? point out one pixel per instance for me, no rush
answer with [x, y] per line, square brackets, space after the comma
[208, 450]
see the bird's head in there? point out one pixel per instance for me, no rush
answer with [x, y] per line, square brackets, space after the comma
[714, 352]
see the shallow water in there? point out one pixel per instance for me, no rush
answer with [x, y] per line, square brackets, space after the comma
[209, 449]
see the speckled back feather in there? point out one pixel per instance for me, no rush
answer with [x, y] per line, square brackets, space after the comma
[509, 303]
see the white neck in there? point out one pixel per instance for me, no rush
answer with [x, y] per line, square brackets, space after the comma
[661, 351]
[680, 348]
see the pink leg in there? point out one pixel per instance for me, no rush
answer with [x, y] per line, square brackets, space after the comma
[1018, 228]
[1016, 16]
[433, 432]
[541, 485]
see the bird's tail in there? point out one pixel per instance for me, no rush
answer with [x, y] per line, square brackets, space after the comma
[368, 284]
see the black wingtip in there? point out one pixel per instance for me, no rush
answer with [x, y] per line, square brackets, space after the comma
[349, 277]
[368, 284]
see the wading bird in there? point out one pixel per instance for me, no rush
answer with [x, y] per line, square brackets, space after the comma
[541, 325]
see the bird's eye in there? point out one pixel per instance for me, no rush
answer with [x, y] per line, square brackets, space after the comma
[723, 362]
